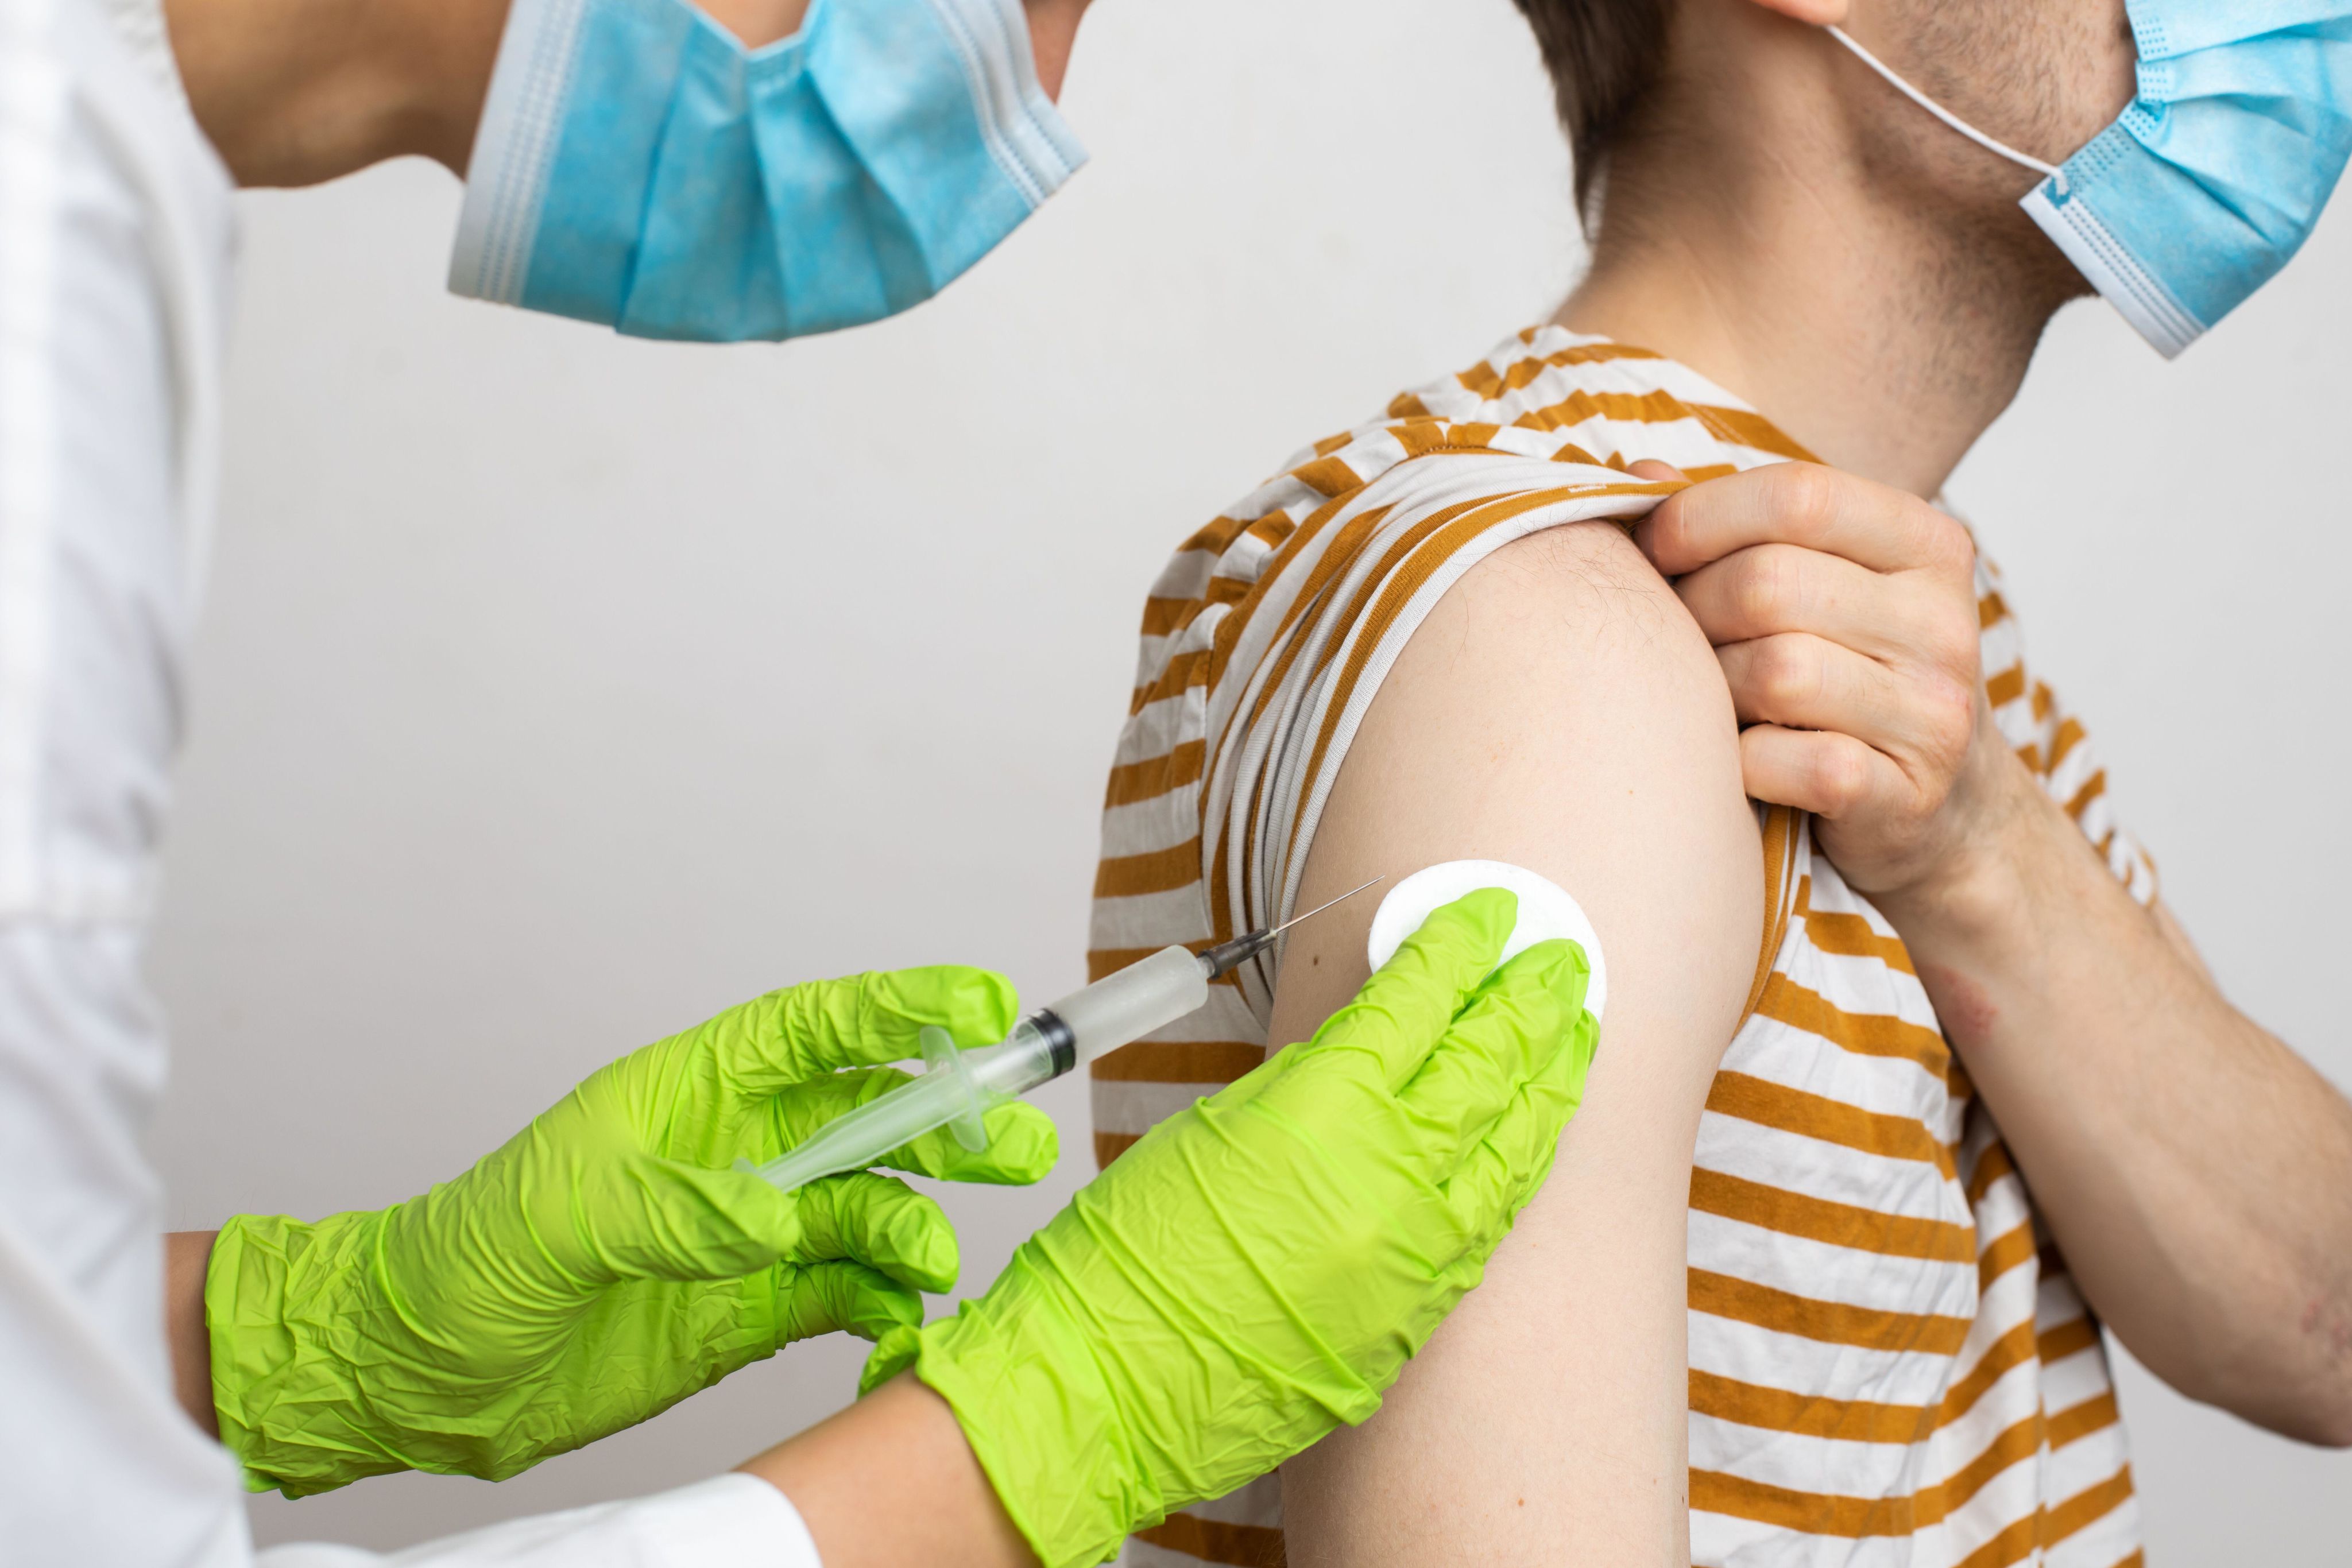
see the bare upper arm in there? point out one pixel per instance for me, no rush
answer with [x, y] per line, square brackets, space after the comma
[1558, 710]
[2176, 934]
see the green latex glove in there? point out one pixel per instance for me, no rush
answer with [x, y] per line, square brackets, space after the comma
[1258, 1268]
[606, 1261]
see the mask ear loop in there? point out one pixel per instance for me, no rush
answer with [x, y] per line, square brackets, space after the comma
[2048, 171]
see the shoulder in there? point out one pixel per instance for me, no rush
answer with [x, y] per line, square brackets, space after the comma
[1588, 577]
[1564, 648]
[1558, 709]
[1559, 689]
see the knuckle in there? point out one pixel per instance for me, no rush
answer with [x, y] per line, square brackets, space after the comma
[1841, 777]
[1929, 798]
[1785, 672]
[1950, 550]
[1955, 649]
[1759, 587]
[1807, 493]
[1953, 722]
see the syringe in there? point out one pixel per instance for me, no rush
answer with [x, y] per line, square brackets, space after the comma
[959, 1086]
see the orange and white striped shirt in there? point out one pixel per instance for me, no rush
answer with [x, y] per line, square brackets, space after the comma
[1888, 1363]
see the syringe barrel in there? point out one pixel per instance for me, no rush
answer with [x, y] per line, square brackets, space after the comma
[857, 1138]
[1131, 1003]
[1109, 1013]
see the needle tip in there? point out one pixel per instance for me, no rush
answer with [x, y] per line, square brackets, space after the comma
[1325, 904]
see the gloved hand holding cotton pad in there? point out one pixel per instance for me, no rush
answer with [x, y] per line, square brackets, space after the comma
[1546, 911]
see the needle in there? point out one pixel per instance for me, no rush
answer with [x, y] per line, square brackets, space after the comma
[1225, 955]
[1320, 909]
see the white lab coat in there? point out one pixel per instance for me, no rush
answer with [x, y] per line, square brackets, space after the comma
[115, 256]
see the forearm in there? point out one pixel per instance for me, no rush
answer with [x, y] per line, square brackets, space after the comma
[901, 1442]
[2196, 1174]
[186, 1254]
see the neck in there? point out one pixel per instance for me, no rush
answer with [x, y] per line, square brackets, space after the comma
[1784, 261]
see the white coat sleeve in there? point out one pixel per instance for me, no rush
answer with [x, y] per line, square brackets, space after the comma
[727, 1519]
[115, 238]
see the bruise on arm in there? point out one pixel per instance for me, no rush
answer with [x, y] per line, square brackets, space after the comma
[1558, 710]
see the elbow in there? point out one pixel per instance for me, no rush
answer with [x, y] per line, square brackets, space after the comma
[2328, 1425]
[2318, 1412]
[2324, 1424]
[2327, 1327]
[2313, 1403]
[2292, 1378]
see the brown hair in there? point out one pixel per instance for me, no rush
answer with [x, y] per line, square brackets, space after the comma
[1603, 57]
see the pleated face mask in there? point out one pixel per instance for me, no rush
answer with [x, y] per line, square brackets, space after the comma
[2217, 171]
[636, 166]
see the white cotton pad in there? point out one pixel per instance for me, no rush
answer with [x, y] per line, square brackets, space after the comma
[1546, 911]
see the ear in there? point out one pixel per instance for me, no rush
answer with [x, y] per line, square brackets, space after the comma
[1811, 13]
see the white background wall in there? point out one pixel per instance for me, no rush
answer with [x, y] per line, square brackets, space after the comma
[558, 690]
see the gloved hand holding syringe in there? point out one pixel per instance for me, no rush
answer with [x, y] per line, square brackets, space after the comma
[959, 1086]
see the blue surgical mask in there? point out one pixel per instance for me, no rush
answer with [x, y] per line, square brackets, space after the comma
[2215, 175]
[636, 166]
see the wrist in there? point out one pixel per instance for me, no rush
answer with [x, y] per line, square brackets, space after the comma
[907, 1433]
[282, 1325]
[188, 1257]
[1069, 1484]
[1977, 889]
[248, 1339]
